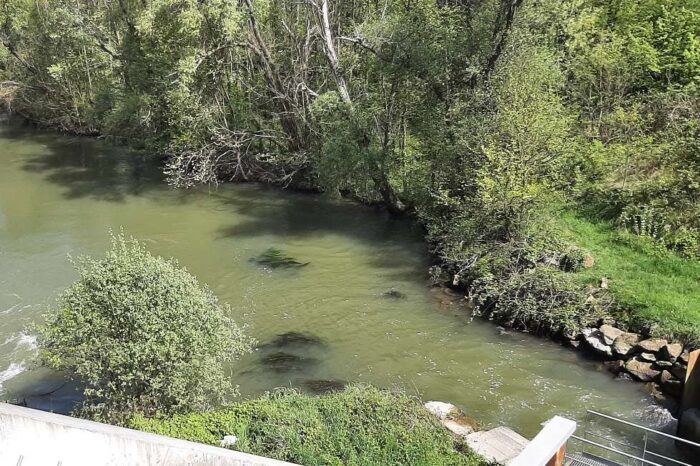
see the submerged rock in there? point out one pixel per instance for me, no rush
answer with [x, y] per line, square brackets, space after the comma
[288, 339]
[670, 384]
[274, 258]
[321, 386]
[393, 294]
[286, 362]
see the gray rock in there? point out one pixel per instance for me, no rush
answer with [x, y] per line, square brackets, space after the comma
[684, 357]
[615, 366]
[623, 344]
[671, 351]
[575, 344]
[649, 357]
[610, 333]
[641, 370]
[664, 364]
[440, 409]
[678, 371]
[670, 384]
[595, 340]
[228, 441]
[457, 427]
[652, 345]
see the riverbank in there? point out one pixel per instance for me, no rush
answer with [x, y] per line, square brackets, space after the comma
[357, 426]
[82, 183]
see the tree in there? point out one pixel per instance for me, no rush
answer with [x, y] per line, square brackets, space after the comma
[142, 336]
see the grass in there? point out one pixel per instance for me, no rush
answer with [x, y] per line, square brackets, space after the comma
[359, 426]
[653, 286]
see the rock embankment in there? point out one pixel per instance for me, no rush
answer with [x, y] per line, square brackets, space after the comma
[656, 361]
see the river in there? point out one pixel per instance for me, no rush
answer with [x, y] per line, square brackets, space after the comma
[61, 195]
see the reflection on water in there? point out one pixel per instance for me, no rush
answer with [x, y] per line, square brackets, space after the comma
[360, 310]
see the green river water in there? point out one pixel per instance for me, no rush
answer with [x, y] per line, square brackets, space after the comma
[61, 195]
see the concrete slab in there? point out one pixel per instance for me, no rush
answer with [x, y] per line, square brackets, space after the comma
[500, 444]
[36, 438]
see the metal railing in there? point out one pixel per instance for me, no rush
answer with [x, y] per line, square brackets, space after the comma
[641, 454]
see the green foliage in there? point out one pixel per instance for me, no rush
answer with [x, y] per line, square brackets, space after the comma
[652, 286]
[142, 336]
[358, 426]
[541, 300]
[476, 116]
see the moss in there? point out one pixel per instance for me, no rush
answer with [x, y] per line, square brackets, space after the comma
[358, 426]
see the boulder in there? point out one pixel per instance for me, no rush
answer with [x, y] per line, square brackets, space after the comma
[228, 441]
[652, 345]
[458, 428]
[649, 357]
[684, 357]
[670, 384]
[624, 343]
[670, 351]
[615, 366]
[575, 344]
[595, 340]
[664, 364]
[610, 333]
[641, 370]
[441, 410]
[451, 417]
[678, 371]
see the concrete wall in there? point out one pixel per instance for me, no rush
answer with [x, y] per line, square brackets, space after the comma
[29, 437]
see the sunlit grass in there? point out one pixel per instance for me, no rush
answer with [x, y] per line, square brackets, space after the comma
[654, 285]
[360, 426]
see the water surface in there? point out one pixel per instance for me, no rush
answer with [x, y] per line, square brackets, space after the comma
[61, 196]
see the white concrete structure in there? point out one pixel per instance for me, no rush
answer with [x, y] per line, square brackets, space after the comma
[551, 440]
[36, 438]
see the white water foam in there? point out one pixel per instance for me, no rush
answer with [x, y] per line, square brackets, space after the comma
[14, 370]
[22, 341]
[27, 341]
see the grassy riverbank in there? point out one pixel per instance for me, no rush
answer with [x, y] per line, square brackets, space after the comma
[652, 286]
[360, 426]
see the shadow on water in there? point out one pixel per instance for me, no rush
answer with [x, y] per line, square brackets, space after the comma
[398, 249]
[85, 167]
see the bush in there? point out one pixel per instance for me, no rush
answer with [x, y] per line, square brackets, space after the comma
[542, 300]
[359, 426]
[142, 335]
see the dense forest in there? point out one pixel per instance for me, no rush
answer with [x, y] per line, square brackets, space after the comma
[532, 138]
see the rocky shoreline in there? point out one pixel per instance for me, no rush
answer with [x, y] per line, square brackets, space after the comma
[655, 361]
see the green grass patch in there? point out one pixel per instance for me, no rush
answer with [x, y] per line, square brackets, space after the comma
[651, 285]
[359, 426]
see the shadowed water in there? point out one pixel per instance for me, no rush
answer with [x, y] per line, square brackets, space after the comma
[358, 310]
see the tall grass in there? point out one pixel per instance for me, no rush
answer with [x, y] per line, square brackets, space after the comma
[360, 426]
[652, 286]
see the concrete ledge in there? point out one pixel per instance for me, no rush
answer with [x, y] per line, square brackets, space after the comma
[31, 438]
